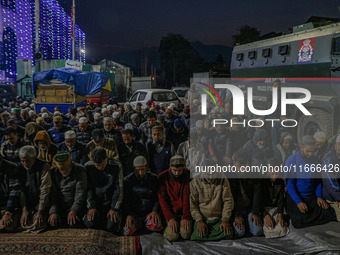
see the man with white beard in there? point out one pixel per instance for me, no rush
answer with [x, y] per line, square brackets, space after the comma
[75, 148]
[110, 132]
[192, 151]
[258, 150]
[68, 195]
[36, 184]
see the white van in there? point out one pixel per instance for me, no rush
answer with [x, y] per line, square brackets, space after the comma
[155, 96]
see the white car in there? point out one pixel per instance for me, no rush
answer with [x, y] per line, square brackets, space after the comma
[181, 92]
[155, 96]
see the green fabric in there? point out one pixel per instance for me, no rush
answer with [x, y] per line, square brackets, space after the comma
[214, 231]
[61, 156]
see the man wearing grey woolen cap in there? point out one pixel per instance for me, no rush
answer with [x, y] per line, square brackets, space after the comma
[134, 124]
[305, 204]
[98, 121]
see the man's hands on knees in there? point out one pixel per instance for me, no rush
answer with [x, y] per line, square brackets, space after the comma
[185, 224]
[302, 207]
[38, 218]
[7, 219]
[225, 227]
[71, 218]
[91, 213]
[114, 215]
[53, 219]
[280, 220]
[173, 224]
[239, 222]
[269, 221]
[202, 228]
[322, 203]
[255, 218]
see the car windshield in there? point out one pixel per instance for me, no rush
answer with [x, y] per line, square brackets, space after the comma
[180, 92]
[164, 96]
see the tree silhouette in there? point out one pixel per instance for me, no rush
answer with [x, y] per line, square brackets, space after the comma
[178, 59]
[247, 34]
[219, 60]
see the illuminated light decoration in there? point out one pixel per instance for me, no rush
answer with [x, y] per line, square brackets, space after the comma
[17, 32]
[8, 4]
[9, 43]
[56, 33]
[16, 36]
[32, 8]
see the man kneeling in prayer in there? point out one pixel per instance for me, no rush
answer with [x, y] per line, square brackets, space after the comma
[211, 205]
[273, 201]
[173, 195]
[140, 199]
[330, 179]
[68, 194]
[305, 204]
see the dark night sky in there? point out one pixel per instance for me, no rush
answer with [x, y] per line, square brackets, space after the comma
[115, 26]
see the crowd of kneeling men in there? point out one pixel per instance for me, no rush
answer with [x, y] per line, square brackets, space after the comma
[102, 178]
[97, 196]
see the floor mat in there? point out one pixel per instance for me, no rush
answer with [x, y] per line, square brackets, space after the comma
[323, 239]
[69, 241]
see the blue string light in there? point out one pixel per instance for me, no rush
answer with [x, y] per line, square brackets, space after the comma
[17, 18]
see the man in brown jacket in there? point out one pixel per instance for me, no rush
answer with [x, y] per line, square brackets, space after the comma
[211, 205]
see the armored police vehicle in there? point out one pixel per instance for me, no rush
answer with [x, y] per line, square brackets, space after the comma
[307, 58]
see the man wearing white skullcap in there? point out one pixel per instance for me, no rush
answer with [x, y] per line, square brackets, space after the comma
[98, 121]
[321, 144]
[105, 112]
[76, 149]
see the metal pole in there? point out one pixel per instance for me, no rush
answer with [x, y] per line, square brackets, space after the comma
[73, 30]
[37, 38]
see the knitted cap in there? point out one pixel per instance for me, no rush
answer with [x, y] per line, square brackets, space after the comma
[140, 161]
[177, 161]
[62, 159]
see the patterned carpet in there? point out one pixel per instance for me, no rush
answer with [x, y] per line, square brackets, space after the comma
[69, 241]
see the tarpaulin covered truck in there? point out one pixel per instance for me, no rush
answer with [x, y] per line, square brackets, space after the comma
[308, 58]
[67, 87]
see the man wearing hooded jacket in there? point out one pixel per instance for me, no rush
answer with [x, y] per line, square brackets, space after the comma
[44, 146]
